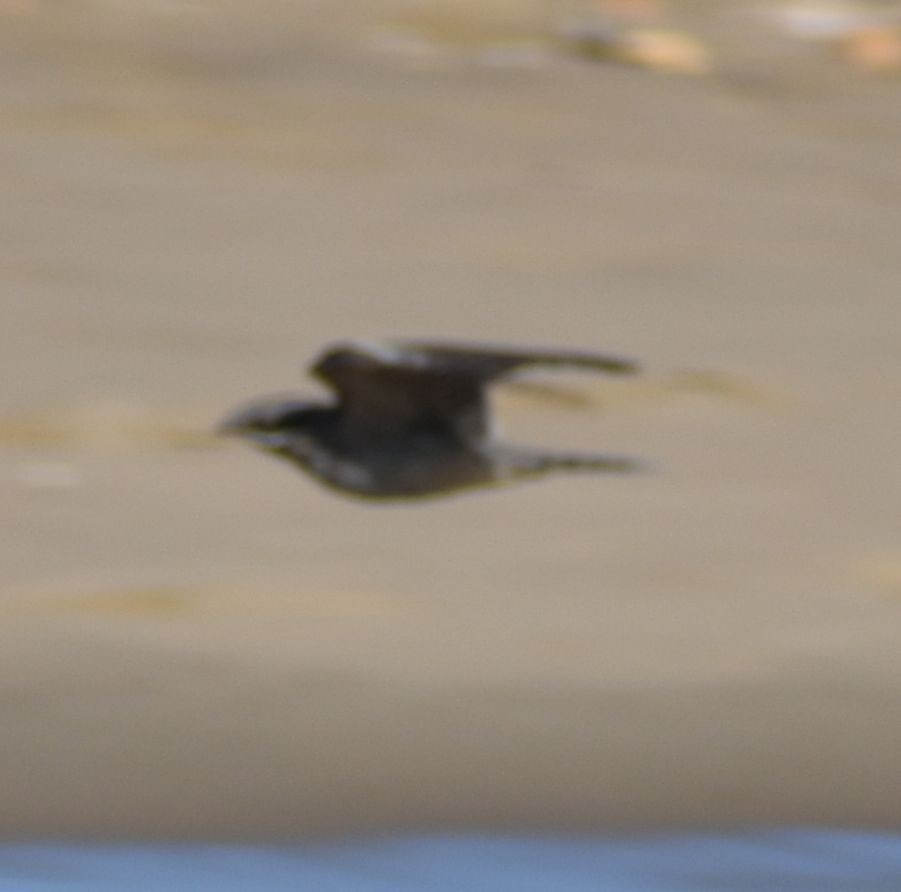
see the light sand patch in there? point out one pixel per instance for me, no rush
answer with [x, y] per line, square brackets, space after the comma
[881, 571]
[100, 424]
[201, 602]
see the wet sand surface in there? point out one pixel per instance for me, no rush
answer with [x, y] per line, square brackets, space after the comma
[197, 643]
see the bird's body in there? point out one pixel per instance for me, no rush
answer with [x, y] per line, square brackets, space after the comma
[411, 420]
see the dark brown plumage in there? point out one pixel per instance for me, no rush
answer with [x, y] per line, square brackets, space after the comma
[412, 419]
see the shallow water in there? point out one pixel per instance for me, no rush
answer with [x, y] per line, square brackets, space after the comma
[790, 861]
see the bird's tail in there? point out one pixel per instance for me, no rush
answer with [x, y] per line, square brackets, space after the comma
[529, 463]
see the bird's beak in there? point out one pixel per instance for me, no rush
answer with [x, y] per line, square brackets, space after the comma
[252, 425]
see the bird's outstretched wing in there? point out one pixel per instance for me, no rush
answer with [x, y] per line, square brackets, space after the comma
[491, 363]
[388, 391]
[411, 385]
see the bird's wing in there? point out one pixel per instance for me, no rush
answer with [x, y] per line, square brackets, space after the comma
[410, 385]
[385, 391]
[491, 363]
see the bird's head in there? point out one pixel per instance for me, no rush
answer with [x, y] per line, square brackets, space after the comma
[277, 423]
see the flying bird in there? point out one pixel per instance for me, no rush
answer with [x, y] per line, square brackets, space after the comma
[411, 419]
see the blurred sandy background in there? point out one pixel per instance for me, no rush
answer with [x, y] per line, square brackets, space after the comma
[195, 642]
